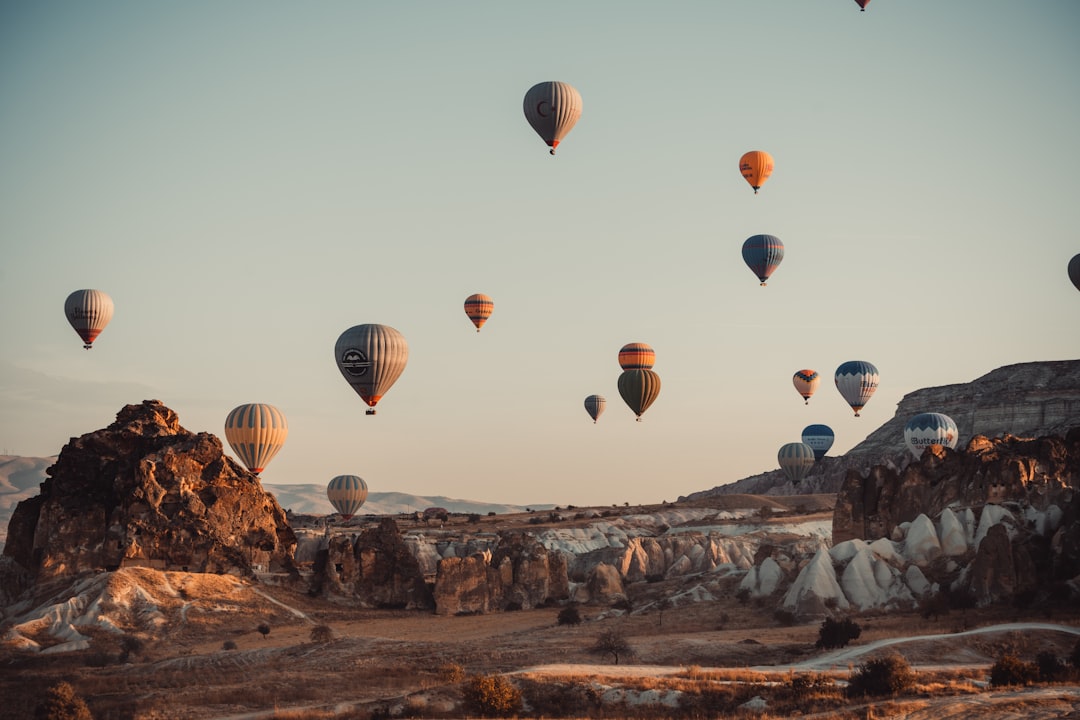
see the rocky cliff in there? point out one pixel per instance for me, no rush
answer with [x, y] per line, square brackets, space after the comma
[1025, 400]
[146, 492]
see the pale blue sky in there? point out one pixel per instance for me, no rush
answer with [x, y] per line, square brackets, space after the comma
[249, 179]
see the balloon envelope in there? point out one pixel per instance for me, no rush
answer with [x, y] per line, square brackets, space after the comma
[819, 438]
[371, 358]
[857, 380]
[1074, 271]
[862, 4]
[796, 459]
[88, 311]
[806, 382]
[762, 254]
[756, 166]
[926, 429]
[256, 432]
[347, 493]
[594, 405]
[552, 108]
[639, 389]
[479, 308]
[636, 356]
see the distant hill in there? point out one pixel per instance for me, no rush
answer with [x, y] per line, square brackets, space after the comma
[1033, 399]
[21, 476]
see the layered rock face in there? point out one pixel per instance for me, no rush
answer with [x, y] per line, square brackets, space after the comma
[1025, 400]
[1035, 473]
[146, 492]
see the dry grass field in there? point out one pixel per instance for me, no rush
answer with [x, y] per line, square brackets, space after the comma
[189, 646]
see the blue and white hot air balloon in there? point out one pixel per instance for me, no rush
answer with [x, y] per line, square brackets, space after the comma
[819, 438]
[857, 380]
[926, 429]
[796, 459]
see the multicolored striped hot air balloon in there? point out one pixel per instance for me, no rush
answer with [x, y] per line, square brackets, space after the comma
[762, 254]
[926, 429]
[806, 382]
[347, 493]
[857, 380]
[639, 389]
[819, 438]
[256, 432]
[796, 459]
[756, 166]
[552, 108]
[636, 356]
[371, 358]
[88, 311]
[479, 308]
[594, 405]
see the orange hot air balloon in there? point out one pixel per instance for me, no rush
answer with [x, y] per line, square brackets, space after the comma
[806, 382]
[636, 356]
[756, 166]
[479, 308]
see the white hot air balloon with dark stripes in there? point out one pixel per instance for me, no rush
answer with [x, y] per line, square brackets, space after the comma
[594, 405]
[371, 358]
[88, 311]
[926, 429]
[347, 493]
[796, 459]
[256, 432]
[552, 108]
[857, 380]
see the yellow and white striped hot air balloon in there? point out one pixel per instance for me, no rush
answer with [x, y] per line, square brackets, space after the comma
[88, 311]
[256, 432]
[371, 358]
[552, 108]
[347, 493]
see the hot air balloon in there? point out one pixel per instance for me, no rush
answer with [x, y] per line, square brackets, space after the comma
[927, 429]
[639, 389]
[347, 493]
[862, 4]
[756, 166]
[594, 405]
[857, 380]
[88, 311]
[256, 432]
[806, 383]
[762, 254]
[636, 356]
[479, 307]
[371, 358]
[796, 459]
[552, 108]
[1074, 271]
[819, 438]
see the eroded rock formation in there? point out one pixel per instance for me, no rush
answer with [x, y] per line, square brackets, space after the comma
[146, 492]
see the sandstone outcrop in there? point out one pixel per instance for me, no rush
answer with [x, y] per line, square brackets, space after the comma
[146, 492]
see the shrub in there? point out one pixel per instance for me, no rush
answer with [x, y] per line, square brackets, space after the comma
[743, 595]
[61, 702]
[612, 642]
[570, 616]
[1050, 668]
[1074, 657]
[228, 645]
[474, 517]
[559, 700]
[806, 685]
[322, 634]
[784, 617]
[837, 633]
[884, 676]
[1011, 670]
[129, 645]
[491, 696]
[264, 629]
[451, 672]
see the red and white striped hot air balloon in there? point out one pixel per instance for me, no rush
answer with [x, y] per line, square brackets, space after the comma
[88, 311]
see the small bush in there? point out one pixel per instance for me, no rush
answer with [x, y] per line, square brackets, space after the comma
[570, 615]
[1050, 668]
[784, 617]
[322, 634]
[884, 676]
[837, 633]
[61, 702]
[451, 672]
[491, 696]
[743, 595]
[1011, 670]
[474, 518]
[264, 629]
[228, 645]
